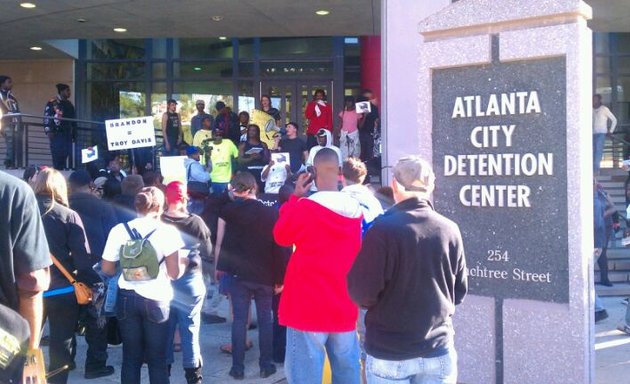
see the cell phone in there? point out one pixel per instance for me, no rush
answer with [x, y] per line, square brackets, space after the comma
[311, 175]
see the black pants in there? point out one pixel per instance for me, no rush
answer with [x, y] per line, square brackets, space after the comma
[279, 333]
[62, 312]
[96, 339]
[367, 145]
[602, 261]
[60, 149]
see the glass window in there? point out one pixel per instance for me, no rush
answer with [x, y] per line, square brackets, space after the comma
[246, 69]
[245, 49]
[159, 48]
[159, 70]
[623, 64]
[115, 49]
[602, 64]
[601, 43]
[623, 89]
[246, 96]
[296, 47]
[623, 42]
[208, 48]
[158, 104]
[200, 69]
[602, 87]
[113, 100]
[115, 71]
[296, 69]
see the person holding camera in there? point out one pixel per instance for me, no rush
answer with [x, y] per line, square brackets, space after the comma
[320, 317]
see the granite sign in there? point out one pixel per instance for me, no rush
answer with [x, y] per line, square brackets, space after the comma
[499, 151]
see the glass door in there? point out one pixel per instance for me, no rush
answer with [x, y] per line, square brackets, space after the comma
[291, 96]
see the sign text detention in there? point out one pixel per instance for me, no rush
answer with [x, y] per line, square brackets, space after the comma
[499, 151]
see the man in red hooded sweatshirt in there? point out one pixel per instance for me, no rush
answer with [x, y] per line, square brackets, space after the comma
[319, 116]
[315, 306]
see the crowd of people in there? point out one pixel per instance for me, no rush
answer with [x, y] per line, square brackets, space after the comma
[309, 264]
[319, 264]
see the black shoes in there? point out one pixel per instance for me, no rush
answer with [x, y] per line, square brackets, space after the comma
[605, 283]
[236, 374]
[601, 315]
[212, 319]
[103, 371]
[268, 371]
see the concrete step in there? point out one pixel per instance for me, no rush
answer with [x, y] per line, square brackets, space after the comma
[618, 289]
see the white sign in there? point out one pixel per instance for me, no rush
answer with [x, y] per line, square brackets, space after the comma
[173, 168]
[281, 157]
[363, 107]
[135, 132]
[89, 154]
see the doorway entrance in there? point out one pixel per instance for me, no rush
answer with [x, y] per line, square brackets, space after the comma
[291, 96]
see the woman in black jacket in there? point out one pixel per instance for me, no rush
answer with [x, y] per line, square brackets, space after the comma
[68, 244]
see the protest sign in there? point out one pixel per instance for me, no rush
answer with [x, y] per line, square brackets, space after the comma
[89, 154]
[173, 168]
[281, 157]
[363, 107]
[135, 132]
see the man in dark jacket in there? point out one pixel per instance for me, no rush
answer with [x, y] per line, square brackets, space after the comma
[60, 132]
[246, 252]
[410, 274]
[98, 219]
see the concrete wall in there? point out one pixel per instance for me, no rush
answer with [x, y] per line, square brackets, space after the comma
[34, 80]
[33, 85]
[401, 89]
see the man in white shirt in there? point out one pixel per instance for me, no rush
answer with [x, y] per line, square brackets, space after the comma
[601, 115]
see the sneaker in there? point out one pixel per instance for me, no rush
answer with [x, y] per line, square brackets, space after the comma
[236, 374]
[624, 302]
[99, 372]
[601, 315]
[605, 283]
[267, 371]
[624, 328]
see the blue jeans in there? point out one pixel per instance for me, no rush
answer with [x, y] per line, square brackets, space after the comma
[190, 292]
[196, 206]
[241, 293]
[598, 149]
[430, 370]
[219, 188]
[305, 353]
[143, 327]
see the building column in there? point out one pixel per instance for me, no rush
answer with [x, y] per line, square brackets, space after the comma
[371, 64]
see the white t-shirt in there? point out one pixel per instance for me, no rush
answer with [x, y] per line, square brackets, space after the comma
[275, 179]
[601, 116]
[166, 240]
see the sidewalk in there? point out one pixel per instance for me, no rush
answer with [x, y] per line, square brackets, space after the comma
[216, 364]
[612, 347]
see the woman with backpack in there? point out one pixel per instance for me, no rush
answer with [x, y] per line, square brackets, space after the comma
[148, 253]
[67, 242]
[190, 289]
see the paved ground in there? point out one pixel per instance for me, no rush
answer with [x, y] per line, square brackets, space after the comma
[612, 347]
[216, 364]
[612, 358]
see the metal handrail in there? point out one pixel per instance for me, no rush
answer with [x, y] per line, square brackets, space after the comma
[56, 118]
